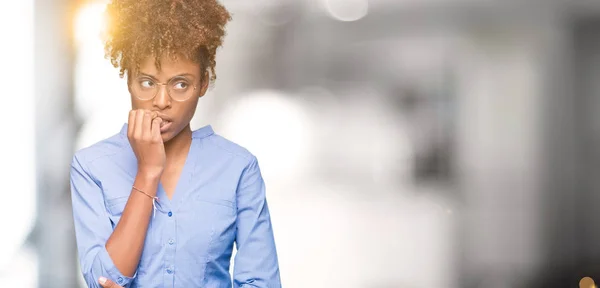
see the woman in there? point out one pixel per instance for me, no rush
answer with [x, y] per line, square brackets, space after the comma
[160, 205]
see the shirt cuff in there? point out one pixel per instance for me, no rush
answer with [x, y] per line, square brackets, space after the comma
[113, 273]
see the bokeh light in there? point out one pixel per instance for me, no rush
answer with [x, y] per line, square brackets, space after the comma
[347, 10]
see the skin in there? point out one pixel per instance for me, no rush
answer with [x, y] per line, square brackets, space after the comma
[107, 283]
[160, 154]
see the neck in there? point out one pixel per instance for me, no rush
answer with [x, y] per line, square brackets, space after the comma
[179, 145]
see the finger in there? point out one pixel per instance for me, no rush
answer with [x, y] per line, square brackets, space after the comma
[139, 121]
[130, 123]
[106, 283]
[147, 126]
[156, 128]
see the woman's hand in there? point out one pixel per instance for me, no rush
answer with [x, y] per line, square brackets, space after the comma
[143, 132]
[106, 283]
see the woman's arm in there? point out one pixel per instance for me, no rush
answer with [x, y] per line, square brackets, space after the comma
[126, 242]
[256, 262]
[102, 251]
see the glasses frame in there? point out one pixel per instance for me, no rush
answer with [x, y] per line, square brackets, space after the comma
[166, 88]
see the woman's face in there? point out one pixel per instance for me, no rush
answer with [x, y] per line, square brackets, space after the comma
[173, 91]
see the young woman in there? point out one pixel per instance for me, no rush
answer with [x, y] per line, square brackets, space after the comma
[160, 205]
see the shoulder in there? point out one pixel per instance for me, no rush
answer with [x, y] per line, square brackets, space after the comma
[104, 148]
[233, 160]
[227, 147]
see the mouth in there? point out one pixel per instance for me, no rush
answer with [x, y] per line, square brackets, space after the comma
[166, 122]
[165, 125]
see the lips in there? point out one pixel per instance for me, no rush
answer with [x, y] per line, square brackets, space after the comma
[164, 122]
[163, 116]
[165, 125]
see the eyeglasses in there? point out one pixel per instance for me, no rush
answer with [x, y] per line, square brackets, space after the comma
[179, 88]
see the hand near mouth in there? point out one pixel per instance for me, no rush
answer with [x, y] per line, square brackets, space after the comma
[144, 134]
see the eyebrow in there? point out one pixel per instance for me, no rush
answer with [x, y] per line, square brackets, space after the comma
[178, 75]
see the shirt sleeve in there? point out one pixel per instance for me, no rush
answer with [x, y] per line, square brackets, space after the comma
[92, 228]
[255, 264]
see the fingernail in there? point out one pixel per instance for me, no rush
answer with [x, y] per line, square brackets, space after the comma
[102, 280]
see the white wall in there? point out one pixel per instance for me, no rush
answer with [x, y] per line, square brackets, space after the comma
[17, 145]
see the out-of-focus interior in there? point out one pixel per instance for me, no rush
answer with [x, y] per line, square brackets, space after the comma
[404, 143]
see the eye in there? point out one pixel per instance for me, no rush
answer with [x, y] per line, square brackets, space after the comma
[181, 85]
[145, 83]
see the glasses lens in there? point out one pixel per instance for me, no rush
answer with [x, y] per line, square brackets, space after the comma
[145, 88]
[180, 89]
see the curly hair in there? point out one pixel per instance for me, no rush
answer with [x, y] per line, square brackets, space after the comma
[138, 29]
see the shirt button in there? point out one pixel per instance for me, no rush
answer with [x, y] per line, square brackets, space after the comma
[169, 271]
[171, 241]
[170, 213]
[120, 280]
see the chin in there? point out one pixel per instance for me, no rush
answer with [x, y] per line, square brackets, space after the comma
[166, 137]
[170, 133]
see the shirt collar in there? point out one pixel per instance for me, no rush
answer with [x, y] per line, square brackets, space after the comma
[203, 132]
[197, 134]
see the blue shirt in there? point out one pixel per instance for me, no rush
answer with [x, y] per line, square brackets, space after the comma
[218, 201]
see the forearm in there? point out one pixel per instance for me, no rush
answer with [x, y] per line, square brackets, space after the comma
[126, 243]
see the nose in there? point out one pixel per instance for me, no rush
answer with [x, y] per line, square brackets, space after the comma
[162, 100]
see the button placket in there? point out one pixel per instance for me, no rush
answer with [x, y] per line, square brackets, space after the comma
[169, 258]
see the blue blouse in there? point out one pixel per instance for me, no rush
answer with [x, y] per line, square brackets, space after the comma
[218, 201]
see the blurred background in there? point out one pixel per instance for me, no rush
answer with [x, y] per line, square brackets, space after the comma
[405, 143]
